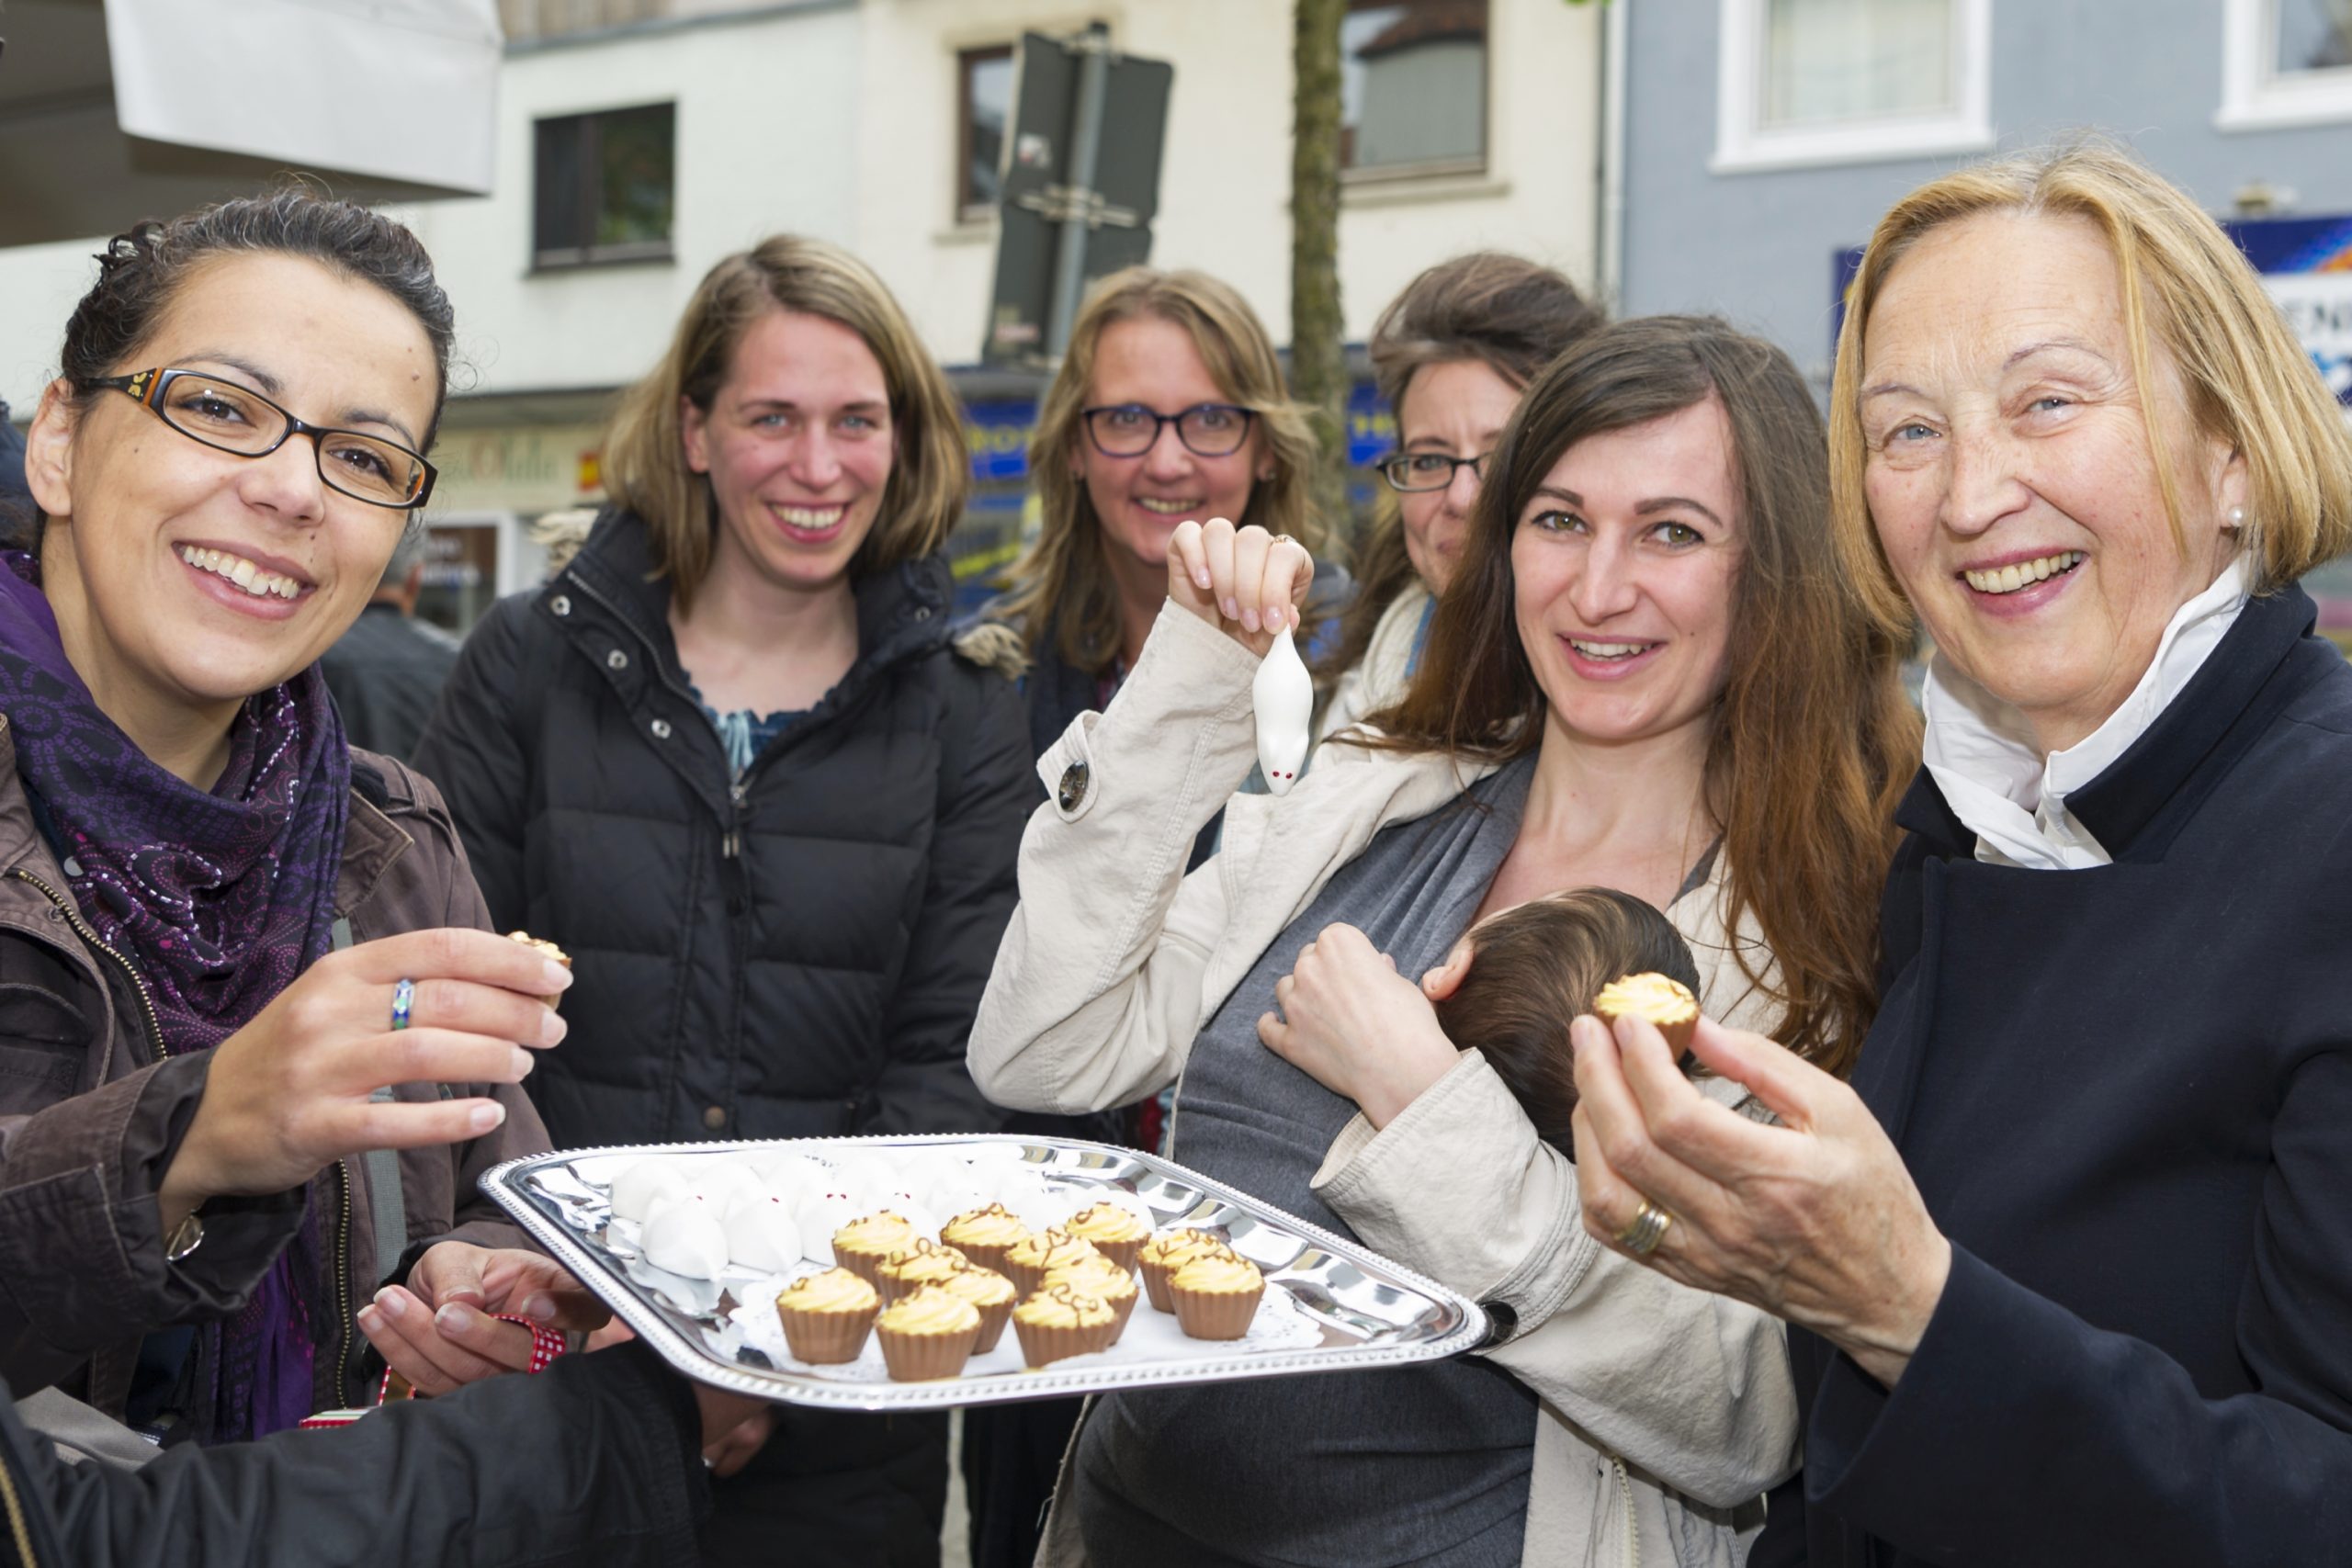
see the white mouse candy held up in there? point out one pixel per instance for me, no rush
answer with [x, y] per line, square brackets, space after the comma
[1284, 699]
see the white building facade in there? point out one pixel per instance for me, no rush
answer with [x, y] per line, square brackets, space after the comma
[641, 140]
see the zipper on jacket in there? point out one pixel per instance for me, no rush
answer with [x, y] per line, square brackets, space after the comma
[1632, 1520]
[89, 933]
[19, 1529]
[344, 1335]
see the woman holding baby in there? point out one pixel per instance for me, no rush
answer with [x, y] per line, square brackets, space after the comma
[1646, 675]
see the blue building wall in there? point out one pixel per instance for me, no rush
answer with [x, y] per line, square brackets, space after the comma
[1761, 247]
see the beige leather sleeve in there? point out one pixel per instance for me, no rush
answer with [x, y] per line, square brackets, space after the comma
[1693, 1388]
[1096, 993]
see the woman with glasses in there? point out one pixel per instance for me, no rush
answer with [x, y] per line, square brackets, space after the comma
[732, 759]
[1169, 405]
[1451, 356]
[241, 960]
[1597, 709]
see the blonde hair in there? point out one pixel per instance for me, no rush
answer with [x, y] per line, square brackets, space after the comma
[2184, 284]
[1064, 583]
[645, 455]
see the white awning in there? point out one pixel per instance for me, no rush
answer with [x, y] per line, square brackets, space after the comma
[134, 109]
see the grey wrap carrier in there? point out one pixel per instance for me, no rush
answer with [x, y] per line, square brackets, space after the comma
[1422, 1465]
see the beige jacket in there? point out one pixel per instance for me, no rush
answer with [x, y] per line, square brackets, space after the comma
[1666, 1410]
[1378, 678]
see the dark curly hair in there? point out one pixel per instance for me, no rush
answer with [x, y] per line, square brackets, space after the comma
[141, 271]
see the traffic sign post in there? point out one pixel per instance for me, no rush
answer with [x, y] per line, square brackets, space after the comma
[1080, 186]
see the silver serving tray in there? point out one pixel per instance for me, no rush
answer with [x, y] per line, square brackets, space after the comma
[1367, 1311]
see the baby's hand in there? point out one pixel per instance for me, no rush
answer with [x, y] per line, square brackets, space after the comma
[1354, 1025]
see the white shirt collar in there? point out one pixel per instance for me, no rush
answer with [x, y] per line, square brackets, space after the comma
[1981, 753]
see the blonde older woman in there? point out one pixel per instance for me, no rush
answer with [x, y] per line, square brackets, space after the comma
[2073, 1250]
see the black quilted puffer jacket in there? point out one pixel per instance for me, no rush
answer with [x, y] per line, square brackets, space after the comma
[795, 954]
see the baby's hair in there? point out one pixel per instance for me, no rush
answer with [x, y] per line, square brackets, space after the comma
[1535, 967]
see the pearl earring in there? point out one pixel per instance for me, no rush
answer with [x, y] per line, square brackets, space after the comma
[2237, 518]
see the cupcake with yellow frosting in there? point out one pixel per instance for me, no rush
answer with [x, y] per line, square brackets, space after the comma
[927, 1334]
[1217, 1295]
[826, 1316]
[1169, 1251]
[985, 1236]
[990, 1292]
[1115, 1232]
[1666, 1002]
[862, 1247]
[1102, 1277]
[1026, 1262]
[1060, 1323]
[923, 1262]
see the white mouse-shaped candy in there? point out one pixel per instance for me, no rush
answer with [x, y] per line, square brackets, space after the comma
[763, 1234]
[1283, 698]
[636, 1186]
[686, 1238]
[819, 1215]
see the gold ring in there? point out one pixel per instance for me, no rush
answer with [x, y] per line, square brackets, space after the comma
[1648, 1228]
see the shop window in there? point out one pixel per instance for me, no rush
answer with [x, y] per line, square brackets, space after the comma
[983, 110]
[1413, 87]
[604, 187]
[1851, 81]
[2285, 62]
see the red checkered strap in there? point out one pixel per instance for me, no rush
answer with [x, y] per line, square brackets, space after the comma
[546, 1344]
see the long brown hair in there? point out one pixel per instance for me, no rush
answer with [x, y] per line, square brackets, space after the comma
[645, 453]
[1064, 583]
[1813, 740]
[2249, 382]
[1509, 314]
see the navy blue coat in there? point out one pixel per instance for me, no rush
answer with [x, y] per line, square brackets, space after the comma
[2126, 1095]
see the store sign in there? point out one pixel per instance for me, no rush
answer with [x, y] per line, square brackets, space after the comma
[530, 470]
[2306, 264]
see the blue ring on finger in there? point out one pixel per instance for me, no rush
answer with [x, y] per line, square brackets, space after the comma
[404, 998]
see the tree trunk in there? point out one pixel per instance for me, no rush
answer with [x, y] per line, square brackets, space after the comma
[1318, 369]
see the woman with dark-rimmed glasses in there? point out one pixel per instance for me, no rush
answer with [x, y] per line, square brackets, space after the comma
[1169, 405]
[238, 955]
[1451, 356]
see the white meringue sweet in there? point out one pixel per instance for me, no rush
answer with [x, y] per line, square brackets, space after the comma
[1283, 699]
[685, 1237]
[787, 1172]
[819, 1215]
[763, 1234]
[724, 1182]
[637, 1185]
[863, 1175]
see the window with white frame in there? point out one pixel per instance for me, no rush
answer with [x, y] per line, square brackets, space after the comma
[1851, 81]
[2285, 62]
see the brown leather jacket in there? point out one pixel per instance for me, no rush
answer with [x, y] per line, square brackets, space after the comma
[90, 1117]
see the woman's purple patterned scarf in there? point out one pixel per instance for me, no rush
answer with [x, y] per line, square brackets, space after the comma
[218, 900]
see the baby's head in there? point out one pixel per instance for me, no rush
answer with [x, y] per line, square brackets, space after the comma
[1535, 967]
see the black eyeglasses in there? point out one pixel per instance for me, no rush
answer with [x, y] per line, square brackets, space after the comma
[1207, 430]
[230, 418]
[1416, 471]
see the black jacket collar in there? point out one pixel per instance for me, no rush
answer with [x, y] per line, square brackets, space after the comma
[2211, 716]
[903, 612]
